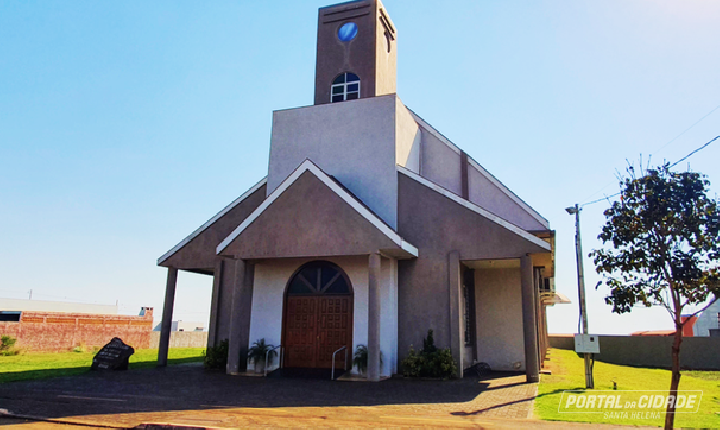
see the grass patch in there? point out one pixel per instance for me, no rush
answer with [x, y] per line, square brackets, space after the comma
[568, 374]
[37, 365]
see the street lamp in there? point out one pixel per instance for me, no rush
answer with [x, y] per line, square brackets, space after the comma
[575, 210]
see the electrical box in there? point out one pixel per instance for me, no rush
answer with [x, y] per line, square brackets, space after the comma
[587, 343]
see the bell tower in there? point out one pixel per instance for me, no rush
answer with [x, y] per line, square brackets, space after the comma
[356, 52]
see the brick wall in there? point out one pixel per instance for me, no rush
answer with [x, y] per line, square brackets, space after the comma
[58, 331]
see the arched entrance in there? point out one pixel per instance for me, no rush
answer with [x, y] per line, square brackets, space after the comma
[318, 316]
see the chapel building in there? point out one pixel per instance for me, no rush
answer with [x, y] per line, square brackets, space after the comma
[371, 228]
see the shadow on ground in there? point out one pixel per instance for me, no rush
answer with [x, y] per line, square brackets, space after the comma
[189, 387]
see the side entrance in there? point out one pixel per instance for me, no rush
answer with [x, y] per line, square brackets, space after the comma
[318, 317]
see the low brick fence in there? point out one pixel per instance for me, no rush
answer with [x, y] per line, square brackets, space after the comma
[696, 353]
[60, 331]
[181, 339]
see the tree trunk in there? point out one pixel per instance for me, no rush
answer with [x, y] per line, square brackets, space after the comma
[675, 382]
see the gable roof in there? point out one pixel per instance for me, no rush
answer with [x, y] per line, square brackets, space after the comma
[212, 220]
[475, 208]
[489, 176]
[339, 190]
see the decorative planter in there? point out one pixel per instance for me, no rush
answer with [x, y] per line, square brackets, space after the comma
[259, 366]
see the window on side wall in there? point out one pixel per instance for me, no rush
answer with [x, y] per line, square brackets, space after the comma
[10, 316]
[345, 87]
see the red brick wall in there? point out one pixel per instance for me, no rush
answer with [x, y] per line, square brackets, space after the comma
[58, 331]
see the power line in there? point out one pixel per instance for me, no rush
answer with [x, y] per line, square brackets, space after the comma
[599, 200]
[695, 151]
[687, 129]
[705, 145]
[657, 150]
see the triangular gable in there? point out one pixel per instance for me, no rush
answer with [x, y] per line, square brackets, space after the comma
[538, 244]
[307, 210]
[197, 250]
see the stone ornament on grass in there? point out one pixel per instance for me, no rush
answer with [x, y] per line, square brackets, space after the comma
[113, 356]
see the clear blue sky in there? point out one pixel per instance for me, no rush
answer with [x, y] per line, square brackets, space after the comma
[126, 125]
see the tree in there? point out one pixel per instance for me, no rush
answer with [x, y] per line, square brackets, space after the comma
[665, 234]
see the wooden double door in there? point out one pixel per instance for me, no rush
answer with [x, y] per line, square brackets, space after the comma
[315, 327]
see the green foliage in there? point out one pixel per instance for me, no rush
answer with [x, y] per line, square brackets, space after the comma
[259, 349]
[40, 365]
[568, 373]
[7, 346]
[430, 362]
[665, 234]
[216, 356]
[429, 343]
[360, 358]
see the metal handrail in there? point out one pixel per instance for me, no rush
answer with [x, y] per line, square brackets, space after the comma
[268, 353]
[332, 374]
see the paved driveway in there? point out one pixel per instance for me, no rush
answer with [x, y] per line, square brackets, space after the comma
[188, 395]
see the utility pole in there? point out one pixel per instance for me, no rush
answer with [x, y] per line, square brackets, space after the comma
[589, 381]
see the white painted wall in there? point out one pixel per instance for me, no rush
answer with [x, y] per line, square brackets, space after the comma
[271, 278]
[389, 316]
[353, 141]
[21, 305]
[498, 313]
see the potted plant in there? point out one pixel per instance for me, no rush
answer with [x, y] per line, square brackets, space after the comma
[360, 359]
[258, 351]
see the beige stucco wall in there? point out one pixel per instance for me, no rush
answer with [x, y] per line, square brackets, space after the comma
[440, 163]
[488, 196]
[181, 339]
[271, 277]
[499, 318]
[353, 141]
[407, 138]
[385, 60]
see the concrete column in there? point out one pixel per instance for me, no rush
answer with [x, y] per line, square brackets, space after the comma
[215, 303]
[166, 323]
[374, 309]
[469, 282]
[538, 329]
[457, 326]
[240, 317]
[542, 339]
[532, 364]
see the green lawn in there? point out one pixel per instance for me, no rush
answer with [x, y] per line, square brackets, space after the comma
[568, 374]
[35, 365]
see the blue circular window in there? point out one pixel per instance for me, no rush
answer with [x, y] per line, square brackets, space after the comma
[347, 32]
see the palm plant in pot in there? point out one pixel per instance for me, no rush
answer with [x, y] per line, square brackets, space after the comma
[360, 359]
[258, 351]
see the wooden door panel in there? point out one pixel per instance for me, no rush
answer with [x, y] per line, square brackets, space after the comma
[301, 331]
[315, 327]
[333, 330]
